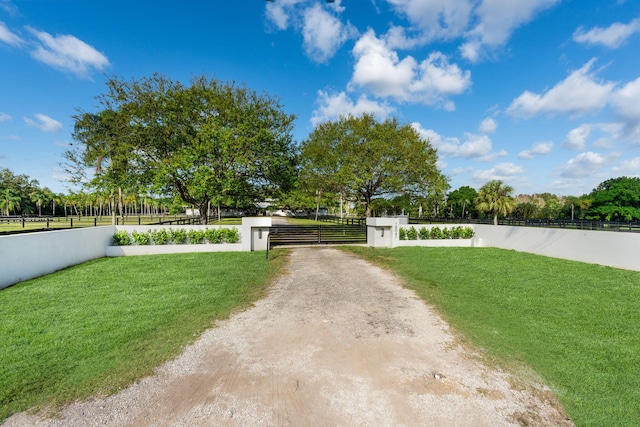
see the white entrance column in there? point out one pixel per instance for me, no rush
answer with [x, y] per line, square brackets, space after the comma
[255, 231]
[382, 232]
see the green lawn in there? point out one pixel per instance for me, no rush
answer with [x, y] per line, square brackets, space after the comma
[96, 327]
[577, 325]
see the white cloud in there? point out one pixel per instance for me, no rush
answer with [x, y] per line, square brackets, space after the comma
[497, 19]
[488, 125]
[379, 70]
[577, 95]
[625, 102]
[538, 149]
[4, 117]
[323, 33]
[474, 146]
[281, 12]
[8, 7]
[67, 53]
[583, 165]
[44, 123]
[9, 37]
[502, 171]
[577, 138]
[611, 37]
[436, 19]
[333, 106]
[629, 167]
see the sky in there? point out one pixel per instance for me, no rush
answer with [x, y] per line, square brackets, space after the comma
[541, 94]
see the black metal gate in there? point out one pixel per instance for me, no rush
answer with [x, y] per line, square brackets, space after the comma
[316, 234]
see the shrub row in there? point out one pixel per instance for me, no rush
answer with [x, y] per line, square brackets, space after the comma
[436, 233]
[179, 236]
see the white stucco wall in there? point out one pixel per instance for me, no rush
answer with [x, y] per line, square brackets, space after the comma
[25, 256]
[614, 249]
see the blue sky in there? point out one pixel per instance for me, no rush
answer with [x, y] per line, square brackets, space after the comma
[543, 94]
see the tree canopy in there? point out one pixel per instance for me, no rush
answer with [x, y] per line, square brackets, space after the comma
[363, 158]
[205, 142]
[461, 202]
[495, 198]
[616, 199]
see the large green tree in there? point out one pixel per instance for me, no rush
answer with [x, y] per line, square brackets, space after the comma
[16, 192]
[364, 158]
[461, 202]
[616, 199]
[105, 148]
[495, 198]
[205, 142]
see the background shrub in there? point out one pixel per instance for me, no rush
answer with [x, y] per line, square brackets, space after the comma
[412, 234]
[213, 235]
[159, 237]
[121, 238]
[140, 238]
[178, 236]
[467, 233]
[402, 233]
[436, 233]
[424, 233]
[195, 236]
[231, 235]
[446, 233]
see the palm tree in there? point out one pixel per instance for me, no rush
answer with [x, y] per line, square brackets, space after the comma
[39, 197]
[9, 201]
[495, 198]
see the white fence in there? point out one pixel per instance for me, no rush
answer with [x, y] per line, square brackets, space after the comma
[25, 256]
[613, 249]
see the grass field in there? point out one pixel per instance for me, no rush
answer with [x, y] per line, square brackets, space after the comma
[96, 327]
[577, 325]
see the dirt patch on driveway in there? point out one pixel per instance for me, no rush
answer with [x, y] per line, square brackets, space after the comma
[338, 342]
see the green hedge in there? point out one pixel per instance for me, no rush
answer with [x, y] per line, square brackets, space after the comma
[179, 236]
[436, 233]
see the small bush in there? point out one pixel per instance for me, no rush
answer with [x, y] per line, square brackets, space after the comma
[424, 233]
[446, 233]
[195, 236]
[213, 235]
[231, 235]
[467, 233]
[436, 233]
[457, 232]
[402, 234]
[412, 234]
[159, 237]
[178, 236]
[121, 238]
[140, 238]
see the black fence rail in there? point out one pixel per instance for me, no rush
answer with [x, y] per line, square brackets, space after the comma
[32, 224]
[315, 235]
[180, 221]
[622, 226]
[344, 220]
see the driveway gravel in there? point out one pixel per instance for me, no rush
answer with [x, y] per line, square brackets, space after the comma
[337, 342]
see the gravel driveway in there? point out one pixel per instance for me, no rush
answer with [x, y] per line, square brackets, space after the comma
[338, 342]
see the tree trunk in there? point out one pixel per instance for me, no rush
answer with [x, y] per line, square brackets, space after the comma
[495, 219]
[203, 213]
[318, 193]
[112, 206]
[120, 207]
